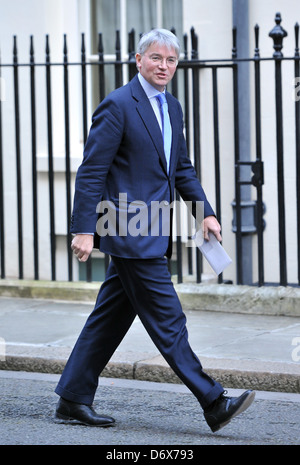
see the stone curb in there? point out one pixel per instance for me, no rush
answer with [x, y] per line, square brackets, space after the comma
[283, 301]
[56, 290]
[262, 376]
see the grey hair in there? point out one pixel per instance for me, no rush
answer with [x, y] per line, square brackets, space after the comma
[161, 37]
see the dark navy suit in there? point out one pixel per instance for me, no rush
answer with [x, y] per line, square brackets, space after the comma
[124, 154]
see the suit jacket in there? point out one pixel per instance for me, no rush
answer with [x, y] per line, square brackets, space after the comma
[124, 154]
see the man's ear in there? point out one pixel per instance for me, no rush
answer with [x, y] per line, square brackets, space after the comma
[138, 58]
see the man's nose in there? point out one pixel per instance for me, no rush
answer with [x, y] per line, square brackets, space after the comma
[163, 63]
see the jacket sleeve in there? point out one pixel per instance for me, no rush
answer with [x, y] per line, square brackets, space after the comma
[101, 147]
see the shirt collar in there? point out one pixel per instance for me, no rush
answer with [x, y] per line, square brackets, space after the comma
[148, 88]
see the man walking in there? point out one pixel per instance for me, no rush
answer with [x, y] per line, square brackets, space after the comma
[136, 146]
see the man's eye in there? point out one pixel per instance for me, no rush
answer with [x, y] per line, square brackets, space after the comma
[155, 58]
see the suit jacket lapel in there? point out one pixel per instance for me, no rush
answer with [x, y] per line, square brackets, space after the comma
[146, 112]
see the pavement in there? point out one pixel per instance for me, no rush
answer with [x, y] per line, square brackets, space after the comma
[244, 337]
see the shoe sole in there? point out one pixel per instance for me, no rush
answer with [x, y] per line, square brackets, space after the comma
[62, 419]
[246, 404]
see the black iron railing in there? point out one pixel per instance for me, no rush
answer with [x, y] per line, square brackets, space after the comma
[185, 86]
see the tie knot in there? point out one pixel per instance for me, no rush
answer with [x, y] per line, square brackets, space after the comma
[162, 98]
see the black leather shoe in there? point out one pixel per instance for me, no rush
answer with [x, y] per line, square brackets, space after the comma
[225, 408]
[80, 414]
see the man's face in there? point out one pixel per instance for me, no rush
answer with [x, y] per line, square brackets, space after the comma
[157, 65]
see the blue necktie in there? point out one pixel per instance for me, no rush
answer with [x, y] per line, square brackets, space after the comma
[166, 127]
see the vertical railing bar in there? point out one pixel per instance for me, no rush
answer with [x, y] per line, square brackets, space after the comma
[216, 142]
[101, 68]
[67, 160]
[131, 54]
[84, 127]
[18, 158]
[239, 264]
[196, 125]
[217, 149]
[34, 161]
[2, 236]
[118, 65]
[84, 86]
[187, 138]
[277, 34]
[297, 131]
[259, 221]
[50, 162]
[280, 171]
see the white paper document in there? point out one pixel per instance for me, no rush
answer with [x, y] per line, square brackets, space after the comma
[213, 251]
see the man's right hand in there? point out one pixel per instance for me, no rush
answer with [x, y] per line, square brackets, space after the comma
[211, 224]
[82, 246]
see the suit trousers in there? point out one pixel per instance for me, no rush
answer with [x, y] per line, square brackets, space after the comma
[133, 287]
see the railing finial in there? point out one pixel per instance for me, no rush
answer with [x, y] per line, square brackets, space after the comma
[278, 34]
